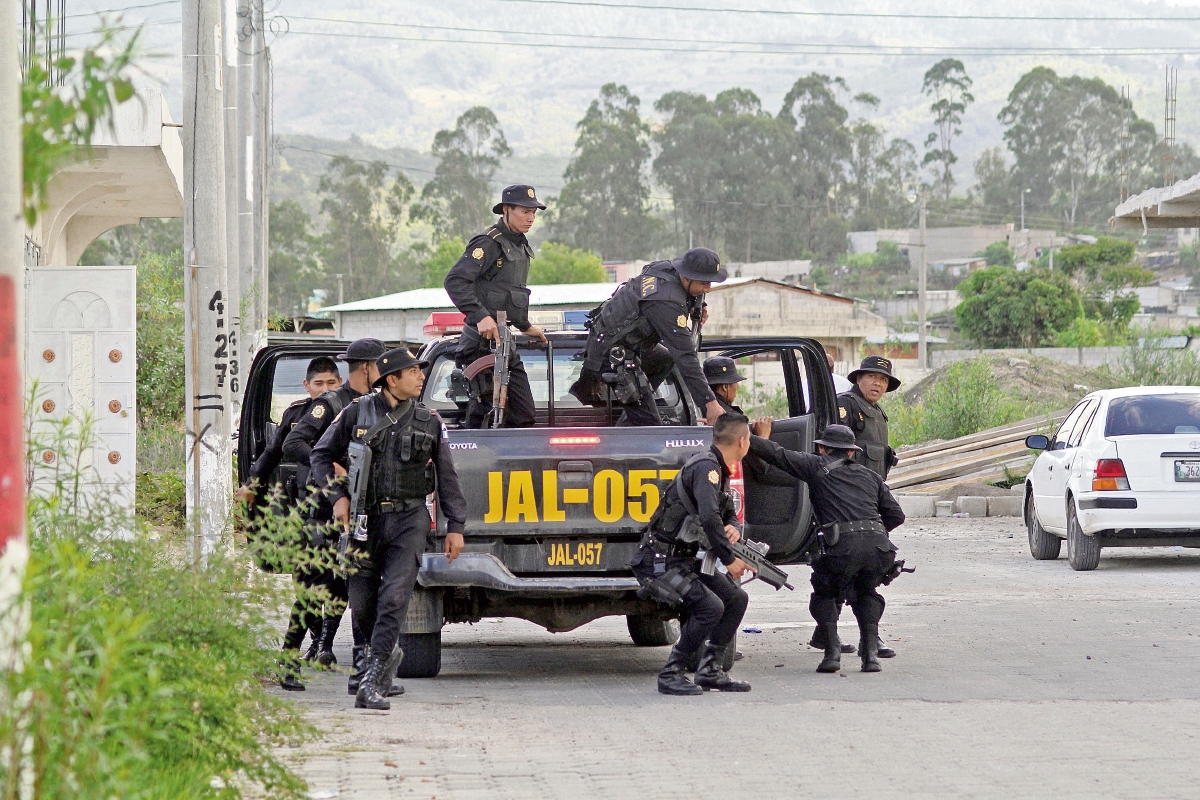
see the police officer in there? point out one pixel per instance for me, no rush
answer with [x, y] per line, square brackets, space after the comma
[697, 511]
[360, 358]
[859, 409]
[321, 376]
[490, 277]
[856, 512]
[410, 457]
[723, 378]
[658, 306]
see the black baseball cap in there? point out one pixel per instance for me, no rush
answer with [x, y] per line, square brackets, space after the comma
[720, 370]
[519, 194]
[363, 350]
[394, 361]
[700, 264]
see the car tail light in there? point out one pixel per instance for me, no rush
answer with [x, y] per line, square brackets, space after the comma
[1110, 476]
[574, 441]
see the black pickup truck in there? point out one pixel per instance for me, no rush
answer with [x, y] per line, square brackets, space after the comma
[555, 510]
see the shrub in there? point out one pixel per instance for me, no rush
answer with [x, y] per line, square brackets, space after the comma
[160, 374]
[966, 400]
[1148, 362]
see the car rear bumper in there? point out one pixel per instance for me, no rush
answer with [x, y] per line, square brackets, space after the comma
[1139, 514]
[486, 571]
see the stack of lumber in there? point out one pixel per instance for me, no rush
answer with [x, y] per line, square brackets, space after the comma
[980, 457]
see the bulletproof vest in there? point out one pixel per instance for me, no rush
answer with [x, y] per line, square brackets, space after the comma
[400, 455]
[870, 431]
[676, 519]
[501, 286]
[620, 320]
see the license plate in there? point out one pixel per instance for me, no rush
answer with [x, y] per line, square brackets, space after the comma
[1187, 471]
[575, 554]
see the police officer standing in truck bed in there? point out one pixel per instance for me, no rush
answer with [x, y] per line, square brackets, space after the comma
[409, 459]
[491, 276]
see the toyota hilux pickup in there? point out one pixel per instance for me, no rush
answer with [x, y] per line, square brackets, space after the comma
[555, 511]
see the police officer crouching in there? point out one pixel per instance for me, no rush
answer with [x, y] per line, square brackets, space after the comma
[697, 512]
[659, 306]
[409, 459]
[856, 512]
[491, 276]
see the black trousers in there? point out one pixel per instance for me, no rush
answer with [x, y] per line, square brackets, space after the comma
[382, 582]
[307, 612]
[716, 605]
[519, 410]
[850, 572]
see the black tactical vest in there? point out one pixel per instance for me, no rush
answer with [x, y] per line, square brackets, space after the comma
[501, 286]
[675, 520]
[620, 321]
[337, 399]
[870, 426]
[400, 455]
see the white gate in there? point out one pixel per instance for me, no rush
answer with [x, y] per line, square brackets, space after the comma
[81, 349]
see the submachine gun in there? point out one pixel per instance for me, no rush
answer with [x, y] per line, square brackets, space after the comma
[755, 556]
[498, 361]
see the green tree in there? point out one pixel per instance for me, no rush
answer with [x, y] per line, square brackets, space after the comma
[364, 207]
[997, 254]
[129, 244]
[438, 263]
[292, 261]
[993, 184]
[557, 263]
[459, 198]
[1004, 307]
[160, 370]
[604, 205]
[1106, 273]
[949, 85]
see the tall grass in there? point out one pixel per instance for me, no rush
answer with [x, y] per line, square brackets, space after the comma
[140, 675]
[966, 400]
[1149, 362]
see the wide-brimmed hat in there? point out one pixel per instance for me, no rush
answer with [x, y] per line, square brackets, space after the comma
[878, 365]
[838, 437]
[700, 264]
[720, 370]
[363, 350]
[394, 361]
[519, 194]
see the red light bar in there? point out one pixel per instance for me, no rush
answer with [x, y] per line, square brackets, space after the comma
[574, 440]
[440, 323]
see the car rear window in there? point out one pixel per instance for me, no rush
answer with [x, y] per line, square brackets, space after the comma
[1153, 415]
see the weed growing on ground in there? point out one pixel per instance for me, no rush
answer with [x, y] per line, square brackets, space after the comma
[1149, 362]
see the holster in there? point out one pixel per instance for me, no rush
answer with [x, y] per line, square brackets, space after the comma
[670, 588]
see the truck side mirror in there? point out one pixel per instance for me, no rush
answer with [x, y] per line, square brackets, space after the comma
[1037, 442]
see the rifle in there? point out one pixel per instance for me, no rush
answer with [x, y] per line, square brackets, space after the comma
[356, 483]
[498, 361]
[895, 571]
[755, 556]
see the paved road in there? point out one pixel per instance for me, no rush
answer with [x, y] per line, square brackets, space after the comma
[1014, 679]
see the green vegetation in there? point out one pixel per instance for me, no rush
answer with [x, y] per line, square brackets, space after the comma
[1004, 307]
[997, 255]
[438, 264]
[557, 263]
[1148, 362]
[966, 400]
[949, 85]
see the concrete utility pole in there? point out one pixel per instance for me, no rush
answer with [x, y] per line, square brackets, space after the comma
[261, 105]
[13, 548]
[206, 290]
[922, 345]
[233, 307]
[247, 163]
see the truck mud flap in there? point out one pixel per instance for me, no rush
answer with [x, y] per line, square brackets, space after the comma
[486, 571]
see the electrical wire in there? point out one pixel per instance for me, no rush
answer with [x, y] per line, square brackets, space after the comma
[122, 10]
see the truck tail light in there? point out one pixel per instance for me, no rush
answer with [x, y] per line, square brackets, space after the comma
[737, 484]
[1110, 476]
[431, 504]
[574, 441]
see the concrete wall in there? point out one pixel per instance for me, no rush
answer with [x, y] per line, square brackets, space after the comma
[1079, 356]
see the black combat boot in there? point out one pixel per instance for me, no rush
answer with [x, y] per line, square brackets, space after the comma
[885, 651]
[711, 676]
[358, 663]
[673, 679]
[818, 641]
[368, 689]
[832, 661]
[388, 678]
[315, 646]
[868, 643]
[329, 629]
[290, 682]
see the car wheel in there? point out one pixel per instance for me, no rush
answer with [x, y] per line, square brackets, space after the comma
[652, 631]
[1043, 546]
[422, 655]
[1083, 552]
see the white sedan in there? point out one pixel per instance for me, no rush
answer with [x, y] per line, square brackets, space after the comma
[1123, 470]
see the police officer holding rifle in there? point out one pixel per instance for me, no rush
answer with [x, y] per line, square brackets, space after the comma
[396, 453]
[855, 512]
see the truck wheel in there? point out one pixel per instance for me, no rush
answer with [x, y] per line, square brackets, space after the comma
[1083, 552]
[1043, 546]
[652, 631]
[422, 655]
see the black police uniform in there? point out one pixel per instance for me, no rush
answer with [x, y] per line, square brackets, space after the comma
[715, 603]
[645, 311]
[853, 505]
[273, 456]
[491, 276]
[868, 420]
[722, 370]
[410, 457]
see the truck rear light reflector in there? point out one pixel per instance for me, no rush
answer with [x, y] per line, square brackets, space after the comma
[1110, 476]
[574, 440]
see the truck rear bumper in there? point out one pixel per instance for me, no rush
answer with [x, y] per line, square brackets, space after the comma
[488, 572]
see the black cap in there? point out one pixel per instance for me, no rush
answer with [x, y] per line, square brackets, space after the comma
[838, 437]
[879, 365]
[519, 194]
[720, 370]
[394, 361]
[363, 350]
[700, 264]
